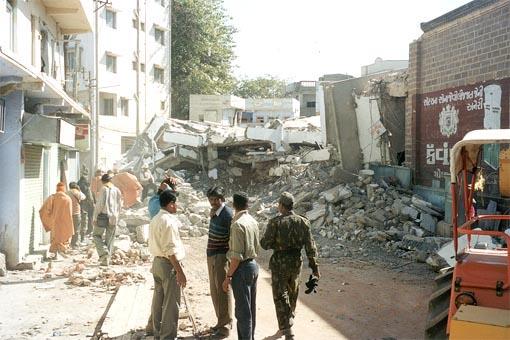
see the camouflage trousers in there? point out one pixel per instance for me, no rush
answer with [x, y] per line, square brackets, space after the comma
[285, 284]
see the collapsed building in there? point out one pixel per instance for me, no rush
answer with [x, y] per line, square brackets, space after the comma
[212, 147]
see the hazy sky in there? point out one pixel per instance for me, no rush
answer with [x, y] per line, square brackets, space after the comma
[304, 39]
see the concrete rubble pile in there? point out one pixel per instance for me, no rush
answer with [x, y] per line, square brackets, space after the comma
[224, 150]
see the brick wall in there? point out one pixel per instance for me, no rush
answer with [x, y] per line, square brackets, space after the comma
[471, 49]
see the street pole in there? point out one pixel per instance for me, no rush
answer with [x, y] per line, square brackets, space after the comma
[96, 102]
[170, 59]
[138, 67]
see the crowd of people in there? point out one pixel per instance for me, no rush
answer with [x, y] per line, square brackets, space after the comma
[93, 208]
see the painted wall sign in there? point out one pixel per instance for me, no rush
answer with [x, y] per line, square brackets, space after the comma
[444, 117]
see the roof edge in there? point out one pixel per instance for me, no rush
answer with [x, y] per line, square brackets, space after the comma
[455, 14]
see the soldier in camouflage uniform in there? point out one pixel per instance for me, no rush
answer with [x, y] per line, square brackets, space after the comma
[287, 234]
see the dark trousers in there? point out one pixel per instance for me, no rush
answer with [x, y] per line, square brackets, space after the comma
[77, 229]
[244, 286]
[166, 299]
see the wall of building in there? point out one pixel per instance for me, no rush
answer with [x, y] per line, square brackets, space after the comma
[266, 109]
[367, 117]
[381, 65]
[121, 43]
[459, 80]
[215, 108]
[27, 46]
[10, 177]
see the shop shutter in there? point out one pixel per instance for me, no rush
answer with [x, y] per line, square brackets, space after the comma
[33, 195]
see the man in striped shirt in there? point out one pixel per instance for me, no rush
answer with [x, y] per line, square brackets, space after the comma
[217, 248]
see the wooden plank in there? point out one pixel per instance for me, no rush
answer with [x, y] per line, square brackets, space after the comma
[129, 311]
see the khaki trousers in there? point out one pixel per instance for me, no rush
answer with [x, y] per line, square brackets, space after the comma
[217, 267]
[166, 299]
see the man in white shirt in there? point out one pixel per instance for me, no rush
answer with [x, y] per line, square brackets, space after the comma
[168, 250]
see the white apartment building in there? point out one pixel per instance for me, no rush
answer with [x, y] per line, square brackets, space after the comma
[133, 44]
[37, 118]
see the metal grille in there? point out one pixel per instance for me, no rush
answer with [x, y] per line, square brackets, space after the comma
[32, 196]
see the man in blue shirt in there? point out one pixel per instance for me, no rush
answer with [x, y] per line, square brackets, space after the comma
[153, 205]
[217, 265]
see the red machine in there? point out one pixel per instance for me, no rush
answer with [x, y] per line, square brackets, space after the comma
[472, 299]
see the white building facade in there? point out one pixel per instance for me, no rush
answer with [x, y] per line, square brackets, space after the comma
[37, 118]
[263, 110]
[133, 72]
[223, 109]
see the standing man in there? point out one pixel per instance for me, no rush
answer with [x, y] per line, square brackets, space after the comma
[243, 271]
[76, 198]
[146, 180]
[217, 247]
[106, 216]
[87, 205]
[168, 250]
[56, 217]
[287, 234]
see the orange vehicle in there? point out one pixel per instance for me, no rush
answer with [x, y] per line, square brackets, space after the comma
[472, 299]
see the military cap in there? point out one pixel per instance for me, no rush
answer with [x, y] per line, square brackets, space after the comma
[287, 199]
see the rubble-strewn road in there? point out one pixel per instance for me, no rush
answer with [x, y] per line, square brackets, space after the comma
[356, 299]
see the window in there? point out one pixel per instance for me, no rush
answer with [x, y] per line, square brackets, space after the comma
[201, 117]
[142, 66]
[107, 107]
[260, 120]
[111, 63]
[159, 75]
[11, 31]
[310, 104]
[162, 105]
[124, 107]
[2, 115]
[491, 155]
[135, 25]
[159, 35]
[111, 18]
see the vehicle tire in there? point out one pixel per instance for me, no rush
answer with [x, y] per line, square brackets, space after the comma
[439, 304]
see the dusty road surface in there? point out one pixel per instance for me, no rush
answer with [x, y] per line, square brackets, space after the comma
[355, 300]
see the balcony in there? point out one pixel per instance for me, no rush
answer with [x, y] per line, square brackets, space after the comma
[72, 16]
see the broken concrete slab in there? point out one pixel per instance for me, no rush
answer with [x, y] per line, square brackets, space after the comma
[409, 212]
[447, 251]
[428, 222]
[142, 233]
[337, 194]
[317, 156]
[444, 229]
[319, 210]
[3, 265]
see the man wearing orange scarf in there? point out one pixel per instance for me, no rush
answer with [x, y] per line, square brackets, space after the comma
[57, 217]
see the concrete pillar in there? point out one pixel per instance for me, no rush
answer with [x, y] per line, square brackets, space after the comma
[10, 177]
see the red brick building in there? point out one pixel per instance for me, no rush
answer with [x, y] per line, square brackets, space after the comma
[459, 80]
